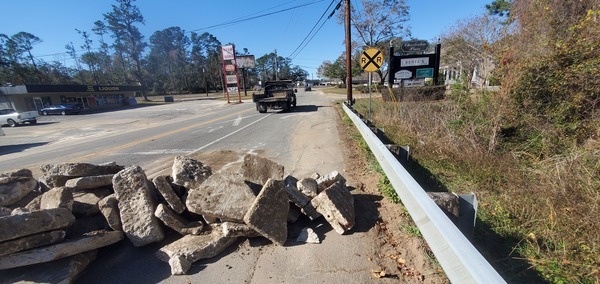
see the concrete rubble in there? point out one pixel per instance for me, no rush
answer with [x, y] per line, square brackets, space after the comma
[52, 227]
[136, 207]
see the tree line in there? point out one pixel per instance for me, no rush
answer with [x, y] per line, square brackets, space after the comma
[115, 52]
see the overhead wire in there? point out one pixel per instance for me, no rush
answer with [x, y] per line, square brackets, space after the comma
[306, 39]
[247, 18]
[228, 23]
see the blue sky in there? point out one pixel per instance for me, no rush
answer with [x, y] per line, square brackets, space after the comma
[55, 23]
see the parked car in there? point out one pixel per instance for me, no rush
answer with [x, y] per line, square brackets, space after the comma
[60, 109]
[13, 118]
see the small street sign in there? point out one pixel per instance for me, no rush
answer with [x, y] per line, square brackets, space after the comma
[228, 52]
[425, 73]
[413, 83]
[420, 61]
[231, 79]
[403, 74]
[371, 59]
[414, 45]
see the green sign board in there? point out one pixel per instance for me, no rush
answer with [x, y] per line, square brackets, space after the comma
[424, 73]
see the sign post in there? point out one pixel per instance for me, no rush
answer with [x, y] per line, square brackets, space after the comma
[371, 60]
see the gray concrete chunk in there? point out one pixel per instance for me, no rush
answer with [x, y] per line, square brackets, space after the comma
[58, 197]
[80, 169]
[223, 195]
[90, 182]
[164, 188]
[64, 270]
[294, 195]
[258, 170]
[85, 202]
[329, 179]
[15, 186]
[176, 222]
[109, 208]
[308, 187]
[31, 241]
[61, 250]
[307, 235]
[189, 173]
[269, 212]
[231, 229]
[52, 181]
[136, 207]
[336, 204]
[16, 226]
[182, 253]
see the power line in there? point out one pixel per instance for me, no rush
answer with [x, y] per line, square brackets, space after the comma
[243, 19]
[231, 22]
[306, 39]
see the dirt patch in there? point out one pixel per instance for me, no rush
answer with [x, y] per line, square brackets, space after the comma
[399, 253]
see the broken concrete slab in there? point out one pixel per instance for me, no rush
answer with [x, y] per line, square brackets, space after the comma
[294, 195]
[258, 170]
[31, 241]
[16, 185]
[90, 182]
[64, 270]
[189, 173]
[34, 204]
[109, 208]
[80, 169]
[310, 211]
[308, 187]
[268, 214]
[336, 204]
[308, 236]
[223, 195]
[61, 250]
[176, 222]
[164, 188]
[182, 253]
[16, 226]
[136, 206]
[329, 179]
[58, 197]
[52, 181]
[85, 202]
[231, 229]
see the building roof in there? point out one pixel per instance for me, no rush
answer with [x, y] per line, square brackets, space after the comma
[31, 89]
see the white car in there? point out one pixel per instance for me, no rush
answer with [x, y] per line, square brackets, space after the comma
[13, 118]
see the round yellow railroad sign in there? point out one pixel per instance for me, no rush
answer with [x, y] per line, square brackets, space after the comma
[371, 59]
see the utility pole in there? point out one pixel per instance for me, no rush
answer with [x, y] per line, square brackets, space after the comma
[275, 66]
[348, 53]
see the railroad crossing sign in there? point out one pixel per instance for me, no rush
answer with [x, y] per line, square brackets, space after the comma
[371, 59]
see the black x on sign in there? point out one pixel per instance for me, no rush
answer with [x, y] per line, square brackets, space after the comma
[371, 59]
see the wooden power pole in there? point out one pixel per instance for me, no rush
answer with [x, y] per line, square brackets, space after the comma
[348, 53]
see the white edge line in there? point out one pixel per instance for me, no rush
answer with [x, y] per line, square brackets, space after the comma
[234, 132]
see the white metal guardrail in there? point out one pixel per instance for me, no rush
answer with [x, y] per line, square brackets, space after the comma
[460, 260]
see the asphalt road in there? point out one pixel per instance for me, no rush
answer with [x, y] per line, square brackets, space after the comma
[304, 140]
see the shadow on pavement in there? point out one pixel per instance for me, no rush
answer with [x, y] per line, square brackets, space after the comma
[8, 149]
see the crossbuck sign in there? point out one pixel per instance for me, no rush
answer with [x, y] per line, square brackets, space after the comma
[371, 59]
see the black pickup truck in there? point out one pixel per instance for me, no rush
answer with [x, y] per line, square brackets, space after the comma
[277, 95]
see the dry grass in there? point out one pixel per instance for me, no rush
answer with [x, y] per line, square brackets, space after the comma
[542, 212]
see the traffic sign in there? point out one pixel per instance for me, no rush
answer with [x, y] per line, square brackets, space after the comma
[371, 59]
[425, 73]
[403, 74]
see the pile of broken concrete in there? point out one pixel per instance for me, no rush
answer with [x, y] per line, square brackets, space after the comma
[73, 209]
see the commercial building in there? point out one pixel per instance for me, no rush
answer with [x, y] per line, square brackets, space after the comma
[36, 97]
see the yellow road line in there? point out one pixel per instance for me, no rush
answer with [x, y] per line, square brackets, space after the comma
[158, 136]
